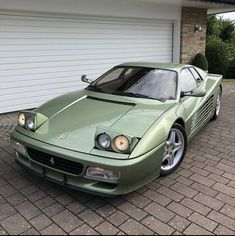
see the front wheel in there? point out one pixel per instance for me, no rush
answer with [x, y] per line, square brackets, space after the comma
[175, 149]
[217, 106]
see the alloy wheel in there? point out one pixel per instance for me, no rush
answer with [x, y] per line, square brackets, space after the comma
[174, 150]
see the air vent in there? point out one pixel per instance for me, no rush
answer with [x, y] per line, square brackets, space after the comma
[202, 114]
[54, 162]
[110, 101]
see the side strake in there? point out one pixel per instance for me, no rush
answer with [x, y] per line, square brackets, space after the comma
[205, 109]
[202, 114]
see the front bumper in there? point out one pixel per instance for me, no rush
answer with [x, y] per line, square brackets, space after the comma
[134, 172]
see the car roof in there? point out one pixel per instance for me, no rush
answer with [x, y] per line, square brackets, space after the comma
[167, 66]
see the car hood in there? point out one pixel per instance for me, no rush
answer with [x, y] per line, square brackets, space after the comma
[72, 123]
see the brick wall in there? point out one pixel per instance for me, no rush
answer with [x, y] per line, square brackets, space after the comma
[192, 42]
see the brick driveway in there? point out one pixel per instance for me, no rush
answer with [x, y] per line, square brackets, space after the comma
[198, 199]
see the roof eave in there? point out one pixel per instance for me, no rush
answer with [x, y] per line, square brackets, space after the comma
[213, 7]
[218, 11]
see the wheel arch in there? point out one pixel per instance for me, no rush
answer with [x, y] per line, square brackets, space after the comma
[157, 134]
[180, 121]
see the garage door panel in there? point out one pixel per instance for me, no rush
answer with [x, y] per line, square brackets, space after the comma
[76, 46]
[42, 57]
[85, 34]
[64, 22]
[48, 73]
[130, 29]
[31, 96]
[51, 70]
[77, 52]
[74, 32]
[22, 101]
[83, 67]
[124, 40]
[39, 82]
[55, 76]
[18, 107]
[75, 64]
[39, 88]
[78, 57]
[164, 57]
[23, 105]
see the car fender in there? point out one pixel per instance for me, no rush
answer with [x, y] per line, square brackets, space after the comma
[159, 131]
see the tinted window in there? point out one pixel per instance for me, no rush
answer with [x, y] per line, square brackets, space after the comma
[188, 82]
[128, 81]
[112, 76]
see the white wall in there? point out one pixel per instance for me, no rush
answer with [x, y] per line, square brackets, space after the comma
[119, 8]
[114, 8]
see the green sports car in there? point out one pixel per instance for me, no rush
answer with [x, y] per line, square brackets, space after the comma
[123, 130]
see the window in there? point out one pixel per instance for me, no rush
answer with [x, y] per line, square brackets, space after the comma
[157, 83]
[138, 81]
[196, 76]
[188, 82]
[114, 75]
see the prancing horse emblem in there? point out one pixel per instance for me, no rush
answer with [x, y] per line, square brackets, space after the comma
[63, 136]
[52, 161]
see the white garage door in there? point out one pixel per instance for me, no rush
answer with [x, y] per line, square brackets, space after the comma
[42, 57]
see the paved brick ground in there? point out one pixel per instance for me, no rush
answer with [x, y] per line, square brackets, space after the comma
[198, 199]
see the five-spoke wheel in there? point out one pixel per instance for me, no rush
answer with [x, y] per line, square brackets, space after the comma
[175, 149]
[217, 106]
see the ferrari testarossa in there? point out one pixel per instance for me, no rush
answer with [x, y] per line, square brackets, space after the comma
[126, 128]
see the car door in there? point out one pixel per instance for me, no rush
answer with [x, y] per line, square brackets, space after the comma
[191, 104]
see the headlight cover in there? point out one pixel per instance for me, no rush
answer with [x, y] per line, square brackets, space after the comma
[21, 119]
[31, 120]
[113, 141]
[104, 141]
[121, 143]
[30, 123]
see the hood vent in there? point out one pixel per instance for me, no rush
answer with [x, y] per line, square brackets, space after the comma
[110, 101]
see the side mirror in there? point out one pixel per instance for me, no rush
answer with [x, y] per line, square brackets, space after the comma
[85, 79]
[197, 92]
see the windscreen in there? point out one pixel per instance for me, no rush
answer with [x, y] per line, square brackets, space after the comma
[140, 82]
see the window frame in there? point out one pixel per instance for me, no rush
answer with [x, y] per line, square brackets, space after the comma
[181, 81]
[197, 81]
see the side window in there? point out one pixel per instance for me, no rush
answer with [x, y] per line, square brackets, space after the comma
[112, 76]
[196, 75]
[188, 82]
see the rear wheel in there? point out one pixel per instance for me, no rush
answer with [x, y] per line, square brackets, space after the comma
[217, 106]
[175, 149]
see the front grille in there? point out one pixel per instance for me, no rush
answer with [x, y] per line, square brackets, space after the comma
[55, 162]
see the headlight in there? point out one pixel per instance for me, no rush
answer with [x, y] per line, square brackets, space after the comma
[29, 123]
[21, 119]
[104, 141]
[121, 143]
[102, 174]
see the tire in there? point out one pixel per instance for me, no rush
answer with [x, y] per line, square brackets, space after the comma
[175, 149]
[217, 106]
